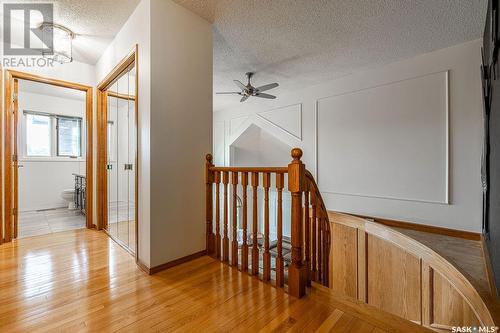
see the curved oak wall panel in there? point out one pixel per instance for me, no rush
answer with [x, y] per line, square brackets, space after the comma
[390, 268]
[395, 273]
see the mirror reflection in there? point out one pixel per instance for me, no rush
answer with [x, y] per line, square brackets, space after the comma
[121, 159]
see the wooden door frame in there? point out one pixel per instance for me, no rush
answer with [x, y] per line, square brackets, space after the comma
[102, 121]
[2, 220]
[9, 152]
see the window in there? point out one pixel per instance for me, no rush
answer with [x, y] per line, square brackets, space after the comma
[69, 135]
[38, 135]
[50, 135]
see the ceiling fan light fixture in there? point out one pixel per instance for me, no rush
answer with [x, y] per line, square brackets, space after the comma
[249, 90]
[62, 48]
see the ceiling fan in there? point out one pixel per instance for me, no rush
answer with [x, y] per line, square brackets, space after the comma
[249, 90]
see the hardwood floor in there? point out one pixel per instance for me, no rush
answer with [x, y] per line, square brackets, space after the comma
[78, 281]
[465, 254]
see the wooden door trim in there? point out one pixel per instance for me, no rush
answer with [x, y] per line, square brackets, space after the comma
[8, 152]
[131, 58]
[1, 154]
[101, 183]
[15, 166]
[8, 144]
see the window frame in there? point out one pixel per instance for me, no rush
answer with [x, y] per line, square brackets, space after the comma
[25, 136]
[80, 122]
[54, 137]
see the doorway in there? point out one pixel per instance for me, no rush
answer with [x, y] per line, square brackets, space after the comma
[117, 154]
[50, 148]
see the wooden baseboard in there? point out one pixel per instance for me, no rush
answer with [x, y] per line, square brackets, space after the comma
[489, 268]
[143, 267]
[159, 268]
[425, 228]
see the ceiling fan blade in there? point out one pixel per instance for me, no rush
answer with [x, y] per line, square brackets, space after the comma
[244, 98]
[229, 93]
[267, 87]
[265, 96]
[240, 85]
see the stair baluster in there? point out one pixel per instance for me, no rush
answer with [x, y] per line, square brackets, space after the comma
[234, 222]
[255, 245]
[314, 270]
[244, 246]
[307, 235]
[280, 268]
[225, 241]
[217, 215]
[310, 242]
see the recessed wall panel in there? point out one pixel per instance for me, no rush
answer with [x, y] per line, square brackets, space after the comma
[388, 141]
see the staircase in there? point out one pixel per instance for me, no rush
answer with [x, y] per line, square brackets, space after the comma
[255, 252]
[344, 255]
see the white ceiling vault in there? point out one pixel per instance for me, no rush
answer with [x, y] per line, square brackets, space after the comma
[305, 42]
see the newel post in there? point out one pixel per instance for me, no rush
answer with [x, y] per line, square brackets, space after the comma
[209, 179]
[297, 272]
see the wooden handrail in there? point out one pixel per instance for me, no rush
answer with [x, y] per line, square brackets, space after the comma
[250, 169]
[296, 272]
[323, 220]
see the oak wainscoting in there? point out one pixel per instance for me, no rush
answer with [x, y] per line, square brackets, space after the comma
[395, 273]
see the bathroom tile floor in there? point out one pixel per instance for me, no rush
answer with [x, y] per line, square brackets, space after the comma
[49, 221]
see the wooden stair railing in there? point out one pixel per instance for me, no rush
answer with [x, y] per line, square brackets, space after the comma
[320, 268]
[310, 230]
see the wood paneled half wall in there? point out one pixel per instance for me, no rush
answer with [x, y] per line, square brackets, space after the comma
[393, 272]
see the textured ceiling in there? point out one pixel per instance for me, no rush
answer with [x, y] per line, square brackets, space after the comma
[95, 22]
[304, 42]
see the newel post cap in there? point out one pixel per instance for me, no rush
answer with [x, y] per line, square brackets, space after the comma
[296, 172]
[296, 154]
[209, 175]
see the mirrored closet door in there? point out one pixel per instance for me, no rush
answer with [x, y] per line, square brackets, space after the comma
[121, 159]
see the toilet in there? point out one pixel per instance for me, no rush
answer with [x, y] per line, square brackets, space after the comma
[69, 196]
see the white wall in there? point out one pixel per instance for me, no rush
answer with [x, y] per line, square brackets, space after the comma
[181, 129]
[73, 106]
[402, 141]
[257, 147]
[41, 180]
[74, 72]
[174, 126]
[137, 30]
